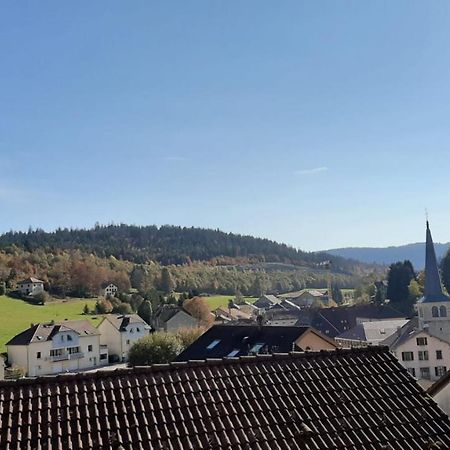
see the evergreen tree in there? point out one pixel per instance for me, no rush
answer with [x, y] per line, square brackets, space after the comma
[167, 283]
[445, 271]
[145, 311]
[399, 278]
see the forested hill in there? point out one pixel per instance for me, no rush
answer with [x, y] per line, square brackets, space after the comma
[169, 245]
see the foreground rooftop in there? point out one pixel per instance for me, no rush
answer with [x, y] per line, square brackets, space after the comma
[354, 399]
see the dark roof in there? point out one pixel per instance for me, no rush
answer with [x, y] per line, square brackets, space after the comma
[121, 321]
[242, 338]
[439, 384]
[45, 331]
[353, 399]
[433, 289]
[334, 321]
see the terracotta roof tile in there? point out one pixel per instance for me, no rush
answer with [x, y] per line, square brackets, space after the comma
[353, 399]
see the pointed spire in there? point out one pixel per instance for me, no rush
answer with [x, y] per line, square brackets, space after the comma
[433, 288]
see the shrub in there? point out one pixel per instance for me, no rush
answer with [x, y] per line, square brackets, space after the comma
[156, 348]
[189, 335]
[42, 297]
[122, 308]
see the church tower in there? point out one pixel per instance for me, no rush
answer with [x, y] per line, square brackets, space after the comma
[434, 306]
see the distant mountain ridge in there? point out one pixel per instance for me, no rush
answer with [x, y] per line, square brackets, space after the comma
[388, 255]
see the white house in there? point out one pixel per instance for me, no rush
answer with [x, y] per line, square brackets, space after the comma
[120, 332]
[425, 355]
[110, 290]
[50, 348]
[2, 368]
[30, 286]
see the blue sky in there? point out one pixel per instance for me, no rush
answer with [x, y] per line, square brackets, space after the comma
[320, 124]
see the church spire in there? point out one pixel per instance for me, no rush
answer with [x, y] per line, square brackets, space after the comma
[433, 288]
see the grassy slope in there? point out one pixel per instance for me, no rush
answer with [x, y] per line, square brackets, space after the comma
[215, 301]
[17, 315]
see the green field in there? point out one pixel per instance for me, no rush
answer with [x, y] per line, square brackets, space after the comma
[216, 301]
[17, 315]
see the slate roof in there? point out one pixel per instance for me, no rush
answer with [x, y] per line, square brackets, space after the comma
[242, 339]
[121, 321]
[334, 321]
[373, 332]
[45, 331]
[360, 399]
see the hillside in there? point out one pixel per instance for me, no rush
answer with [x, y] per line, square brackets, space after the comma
[171, 245]
[370, 255]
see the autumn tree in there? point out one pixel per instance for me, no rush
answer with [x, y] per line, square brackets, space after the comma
[198, 308]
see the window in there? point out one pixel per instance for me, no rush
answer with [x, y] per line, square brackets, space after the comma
[103, 356]
[234, 352]
[421, 341]
[213, 344]
[256, 348]
[89, 348]
[412, 371]
[38, 355]
[442, 311]
[440, 370]
[73, 350]
[407, 356]
[425, 373]
[69, 337]
[138, 329]
[56, 352]
[435, 311]
[128, 342]
[438, 354]
[423, 355]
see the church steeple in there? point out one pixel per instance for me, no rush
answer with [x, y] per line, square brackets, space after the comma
[433, 288]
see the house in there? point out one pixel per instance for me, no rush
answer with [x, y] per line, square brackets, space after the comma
[110, 290]
[440, 391]
[434, 307]
[370, 333]
[30, 286]
[172, 318]
[358, 399]
[240, 340]
[2, 368]
[424, 354]
[334, 321]
[232, 314]
[49, 348]
[119, 332]
[266, 301]
[248, 308]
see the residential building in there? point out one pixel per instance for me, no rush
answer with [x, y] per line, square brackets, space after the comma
[358, 399]
[233, 314]
[30, 286]
[2, 368]
[334, 321]
[110, 290]
[440, 391]
[240, 340]
[172, 318]
[266, 301]
[425, 355]
[434, 307]
[370, 333]
[119, 332]
[248, 308]
[50, 348]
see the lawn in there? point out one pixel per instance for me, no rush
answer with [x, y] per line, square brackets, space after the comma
[17, 315]
[215, 301]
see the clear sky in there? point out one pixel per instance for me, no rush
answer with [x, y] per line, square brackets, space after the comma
[317, 123]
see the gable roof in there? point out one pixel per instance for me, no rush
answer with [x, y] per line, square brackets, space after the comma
[30, 280]
[334, 321]
[374, 331]
[121, 321]
[408, 331]
[165, 312]
[354, 399]
[45, 331]
[242, 339]
[267, 299]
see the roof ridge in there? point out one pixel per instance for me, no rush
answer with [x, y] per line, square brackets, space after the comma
[157, 368]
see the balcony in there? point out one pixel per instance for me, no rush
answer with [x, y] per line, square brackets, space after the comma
[62, 357]
[77, 355]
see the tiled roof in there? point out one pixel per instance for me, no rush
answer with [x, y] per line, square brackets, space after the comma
[241, 340]
[347, 399]
[30, 280]
[121, 321]
[45, 331]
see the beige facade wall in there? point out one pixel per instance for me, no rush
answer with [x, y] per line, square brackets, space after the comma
[179, 321]
[31, 288]
[312, 341]
[442, 398]
[436, 325]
